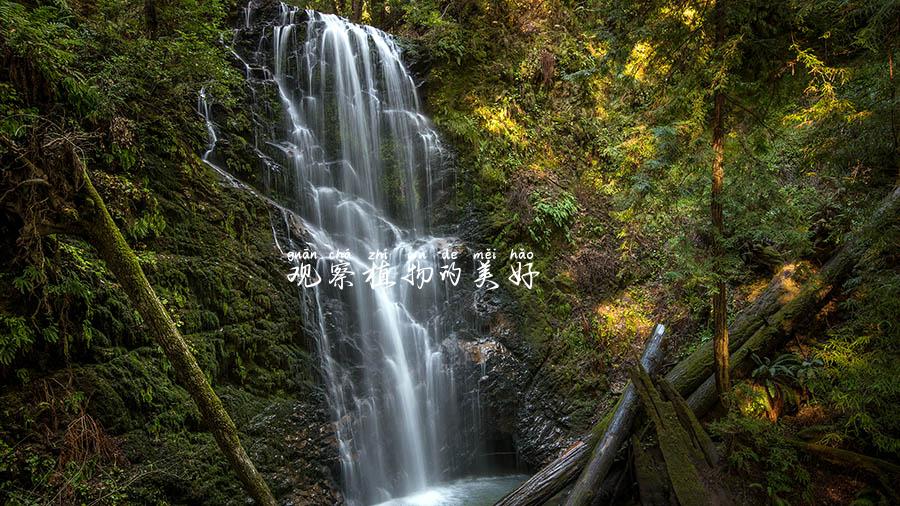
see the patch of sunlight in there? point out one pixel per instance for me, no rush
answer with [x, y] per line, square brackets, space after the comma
[597, 87]
[824, 108]
[625, 320]
[592, 177]
[636, 66]
[546, 163]
[595, 50]
[789, 282]
[755, 289]
[751, 399]
[687, 15]
[638, 147]
[498, 121]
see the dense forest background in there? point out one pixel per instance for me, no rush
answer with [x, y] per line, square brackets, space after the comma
[582, 130]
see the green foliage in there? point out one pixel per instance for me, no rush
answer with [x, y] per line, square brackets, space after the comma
[47, 39]
[757, 450]
[784, 372]
[551, 215]
[862, 357]
[446, 39]
[14, 337]
[785, 378]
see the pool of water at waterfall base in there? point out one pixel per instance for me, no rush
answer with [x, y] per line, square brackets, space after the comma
[475, 491]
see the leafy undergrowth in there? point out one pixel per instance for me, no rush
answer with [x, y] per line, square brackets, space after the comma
[836, 387]
[89, 409]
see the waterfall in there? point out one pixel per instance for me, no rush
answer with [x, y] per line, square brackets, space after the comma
[348, 153]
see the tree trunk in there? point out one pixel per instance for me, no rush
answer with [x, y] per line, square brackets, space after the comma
[609, 432]
[616, 433]
[102, 232]
[549, 480]
[846, 458]
[151, 18]
[719, 302]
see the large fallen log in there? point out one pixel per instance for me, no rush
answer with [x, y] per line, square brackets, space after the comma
[617, 432]
[688, 464]
[691, 372]
[681, 455]
[608, 435]
[687, 375]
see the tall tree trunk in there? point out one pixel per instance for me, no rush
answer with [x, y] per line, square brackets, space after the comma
[102, 232]
[893, 96]
[151, 18]
[719, 301]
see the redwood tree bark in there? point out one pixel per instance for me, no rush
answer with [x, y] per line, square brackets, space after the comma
[719, 301]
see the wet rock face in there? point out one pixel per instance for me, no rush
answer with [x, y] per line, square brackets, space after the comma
[523, 420]
[295, 447]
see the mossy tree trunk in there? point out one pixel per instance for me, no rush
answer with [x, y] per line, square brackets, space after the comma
[680, 455]
[101, 231]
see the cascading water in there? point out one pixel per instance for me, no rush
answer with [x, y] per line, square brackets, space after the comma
[350, 156]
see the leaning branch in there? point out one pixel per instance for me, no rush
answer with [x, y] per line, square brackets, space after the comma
[102, 232]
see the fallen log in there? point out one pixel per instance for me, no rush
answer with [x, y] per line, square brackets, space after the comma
[616, 432]
[609, 432]
[680, 454]
[885, 472]
[693, 370]
[689, 421]
[689, 465]
[847, 458]
[810, 300]
[653, 490]
[685, 376]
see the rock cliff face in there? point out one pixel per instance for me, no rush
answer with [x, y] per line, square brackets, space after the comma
[294, 444]
[524, 419]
